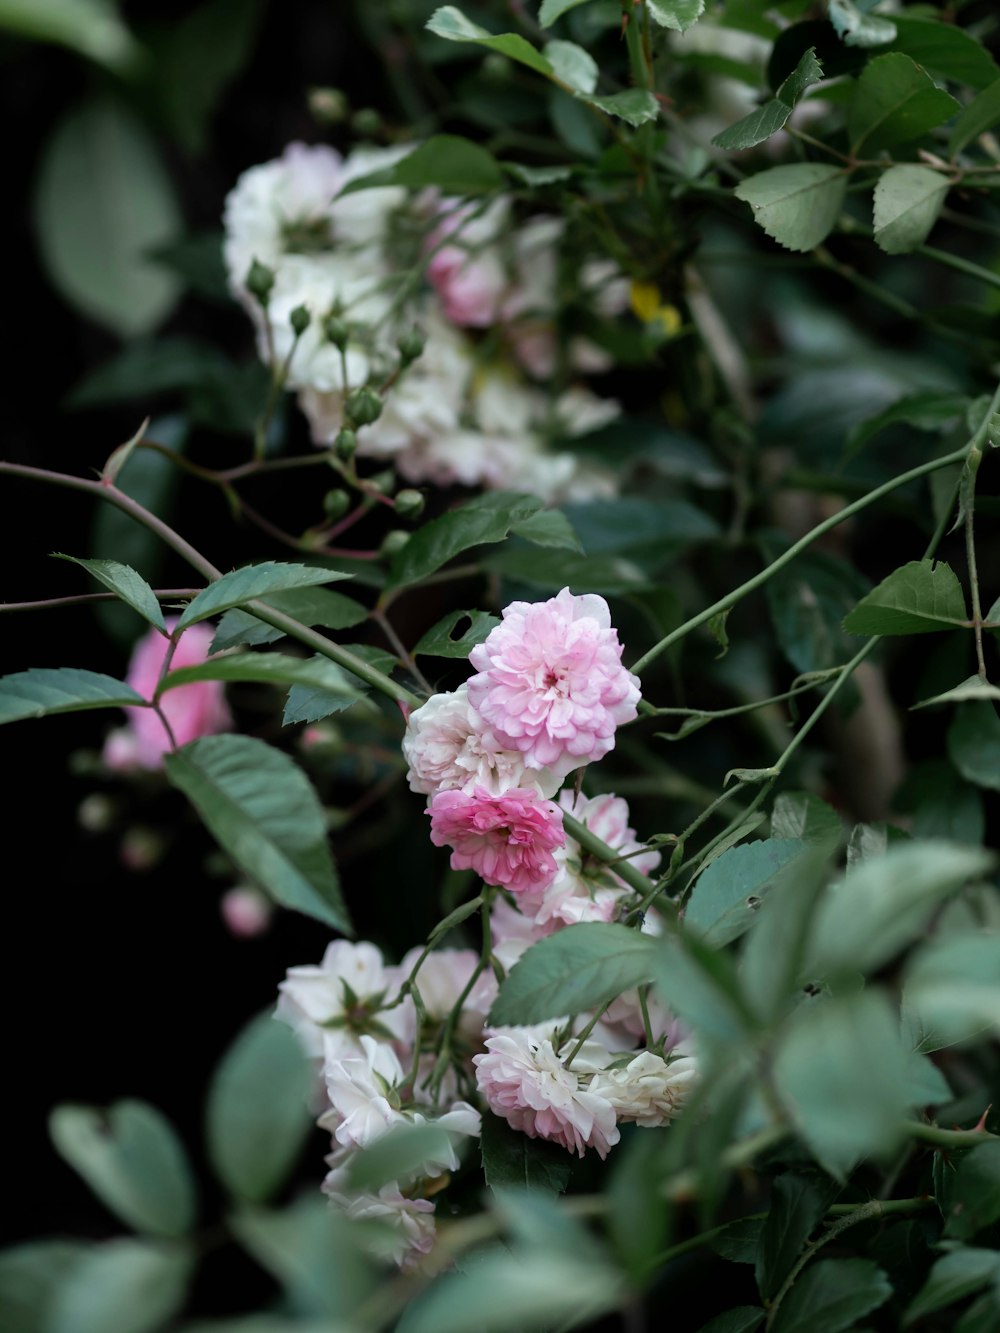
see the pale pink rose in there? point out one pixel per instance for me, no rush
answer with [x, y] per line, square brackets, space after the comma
[524, 1081]
[332, 1006]
[648, 1090]
[194, 710]
[470, 285]
[246, 912]
[550, 681]
[508, 840]
[411, 1220]
[361, 1090]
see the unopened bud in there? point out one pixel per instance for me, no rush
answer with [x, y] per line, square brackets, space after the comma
[366, 121]
[363, 407]
[328, 105]
[411, 345]
[337, 331]
[382, 482]
[96, 813]
[336, 504]
[346, 445]
[409, 504]
[299, 319]
[260, 281]
[392, 542]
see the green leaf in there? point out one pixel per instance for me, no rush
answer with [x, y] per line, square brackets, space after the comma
[951, 990]
[310, 606]
[974, 1201]
[257, 1116]
[740, 1240]
[840, 1071]
[253, 581]
[700, 985]
[857, 28]
[676, 14]
[981, 115]
[274, 669]
[487, 519]
[769, 118]
[572, 65]
[122, 1286]
[548, 527]
[440, 640]
[550, 10]
[972, 690]
[895, 101]
[103, 200]
[149, 367]
[445, 161]
[946, 50]
[93, 28]
[450, 23]
[199, 56]
[832, 1295]
[636, 106]
[797, 205]
[740, 1319]
[398, 1155]
[131, 587]
[44, 690]
[581, 967]
[510, 1158]
[800, 814]
[726, 897]
[132, 1160]
[908, 200]
[797, 1206]
[953, 1277]
[808, 601]
[197, 260]
[882, 904]
[974, 744]
[30, 1276]
[264, 812]
[943, 805]
[630, 525]
[926, 411]
[919, 598]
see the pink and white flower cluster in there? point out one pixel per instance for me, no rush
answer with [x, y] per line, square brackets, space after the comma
[459, 414]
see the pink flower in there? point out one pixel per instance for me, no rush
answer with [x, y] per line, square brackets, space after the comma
[194, 710]
[470, 286]
[524, 1081]
[246, 912]
[507, 839]
[551, 683]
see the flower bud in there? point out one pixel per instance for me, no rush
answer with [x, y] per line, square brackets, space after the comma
[363, 407]
[299, 319]
[366, 121]
[409, 504]
[392, 542]
[337, 331]
[381, 481]
[411, 345]
[345, 445]
[328, 105]
[336, 504]
[259, 282]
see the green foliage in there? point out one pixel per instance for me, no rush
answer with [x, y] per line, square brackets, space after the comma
[455, 165]
[727, 896]
[919, 598]
[833, 1295]
[974, 744]
[676, 14]
[440, 640]
[908, 200]
[264, 812]
[980, 116]
[487, 519]
[271, 668]
[974, 1197]
[122, 1286]
[857, 27]
[30, 1276]
[310, 606]
[772, 116]
[91, 27]
[956, 1275]
[797, 205]
[895, 101]
[43, 690]
[246, 585]
[511, 1159]
[798, 1203]
[132, 1160]
[131, 587]
[258, 1114]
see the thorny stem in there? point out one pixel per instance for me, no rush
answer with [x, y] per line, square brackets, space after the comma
[88, 598]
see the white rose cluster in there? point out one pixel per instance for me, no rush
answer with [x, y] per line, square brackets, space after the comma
[474, 408]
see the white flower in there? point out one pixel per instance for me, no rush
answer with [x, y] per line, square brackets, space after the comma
[326, 1006]
[411, 1219]
[648, 1090]
[362, 1093]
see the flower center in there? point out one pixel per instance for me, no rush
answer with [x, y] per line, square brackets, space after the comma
[307, 236]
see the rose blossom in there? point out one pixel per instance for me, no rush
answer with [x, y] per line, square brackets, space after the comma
[508, 839]
[550, 681]
[194, 710]
[649, 1089]
[329, 1006]
[411, 1219]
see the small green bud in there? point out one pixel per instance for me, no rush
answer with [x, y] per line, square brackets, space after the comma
[381, 481]
[409, 504]
[346, 445]
[366, 121]
[336, 504]
[300, 320]
[260, 281]
[392, 542]
[363, 407]
[411, 345]
[328, 105]
[337, 331]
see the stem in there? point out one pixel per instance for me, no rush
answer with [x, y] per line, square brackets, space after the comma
[947, 1138]
[87, 598]
[961, 265]
[758, 580]
[972, 463]
[596, 846]
[400, 649]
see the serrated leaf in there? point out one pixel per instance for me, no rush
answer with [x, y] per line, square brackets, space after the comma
[581, 967]
[30, 1276]
[572, 65]
[927, 411]
[700, 985]
[769, 118]
[131, 587]
[832, 1295]
[102, 202]
[548, 527]
[971, 690]
[308, 704]
[974, 744]
[244, 585]
[122, 1286]
[264, 812]
[44, 690]
[739, 1241]
[797, 205]
[882, 904]
[922, 597]
[450, 23]
[908, 199]
[953, 1277]
[895, 101]
[800, 814]
[676, 14]
[974, 1201]
[444, 161]
[726, 897]
[857, 28]
[131, 1158]
[272, 669]
[482, 521]
[636, 106]
[93, 28]
[946, 50]
[798, 1203]
[440, 640]
[981, 115]
[310, 606]
[258, 1109]
[511, 1159]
